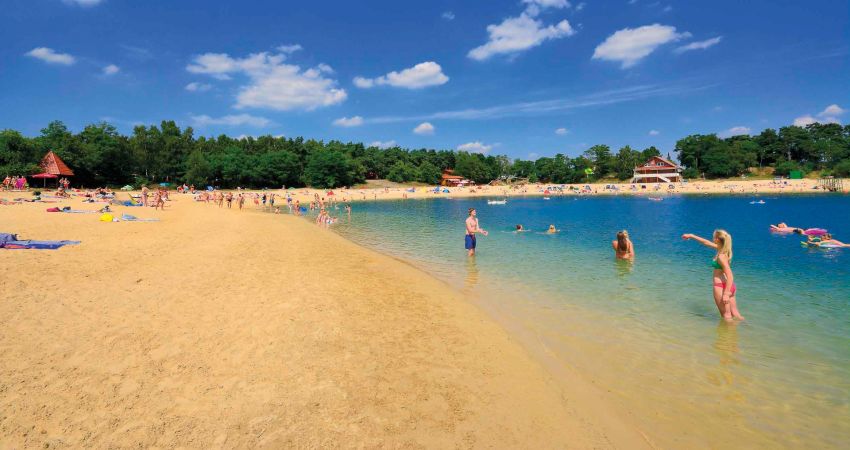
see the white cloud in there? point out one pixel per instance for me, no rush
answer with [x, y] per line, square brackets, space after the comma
[231, 120]
[699, 45]
[198, 87]
[802, 121]
[448, 15]
[735, 131]
[272, 85]
[419, 76]
[355, 121]
[580, 6]
[424, 128]
[534, 7]
[551, 106]
[50, 56]
[382, 144]
[288, 49]
[630, 45]
[562, 131]
[84, 3]
[111, 69]
[324, 68]
[516, 34]
[475, 147]
[654, 132]
[832, 111]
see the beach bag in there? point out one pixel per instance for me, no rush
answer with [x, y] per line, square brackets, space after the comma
[54, 209]
[106, 217]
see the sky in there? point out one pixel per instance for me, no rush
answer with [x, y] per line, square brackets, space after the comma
[524, 78]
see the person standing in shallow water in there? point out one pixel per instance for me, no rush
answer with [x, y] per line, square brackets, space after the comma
[724, 280]
[472, 229]
[623, 247]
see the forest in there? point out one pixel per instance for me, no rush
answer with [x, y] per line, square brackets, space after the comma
[101, 156]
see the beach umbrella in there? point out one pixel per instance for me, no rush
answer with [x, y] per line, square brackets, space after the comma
[44, 176]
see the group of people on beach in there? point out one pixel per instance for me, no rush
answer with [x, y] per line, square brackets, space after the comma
[16, 183]
[724, 288]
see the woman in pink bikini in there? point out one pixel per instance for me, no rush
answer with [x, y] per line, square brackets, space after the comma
[724, 280]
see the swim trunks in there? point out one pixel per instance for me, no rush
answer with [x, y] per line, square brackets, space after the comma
[470, 242]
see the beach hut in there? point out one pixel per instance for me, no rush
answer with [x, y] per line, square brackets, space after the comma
[53, 164]
[657, 170]
[450, 179]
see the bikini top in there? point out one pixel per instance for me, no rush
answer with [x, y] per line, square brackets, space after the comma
[714, 264]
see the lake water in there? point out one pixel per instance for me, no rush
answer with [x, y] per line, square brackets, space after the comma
[648, 332]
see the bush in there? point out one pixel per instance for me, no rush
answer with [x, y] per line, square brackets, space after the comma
[784, 168]
[690, 172]
[842, 169]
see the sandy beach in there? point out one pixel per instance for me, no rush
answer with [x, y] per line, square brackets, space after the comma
[724, 187]
[216, 328]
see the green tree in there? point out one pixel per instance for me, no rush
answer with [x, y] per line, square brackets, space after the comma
[329, 169]
[198, 170]
[429, 173]
[402, 172]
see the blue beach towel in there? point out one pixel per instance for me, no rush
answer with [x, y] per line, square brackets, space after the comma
[10, 241]
[129, 218]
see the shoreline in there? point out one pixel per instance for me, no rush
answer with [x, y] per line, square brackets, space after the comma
[212, 354]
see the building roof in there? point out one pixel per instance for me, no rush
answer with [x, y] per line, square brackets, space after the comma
[649, 163]
[53, 164]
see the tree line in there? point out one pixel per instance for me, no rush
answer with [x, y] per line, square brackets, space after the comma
[100, 155]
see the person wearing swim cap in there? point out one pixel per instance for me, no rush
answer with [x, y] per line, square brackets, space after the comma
[724, 280]
[472, 229]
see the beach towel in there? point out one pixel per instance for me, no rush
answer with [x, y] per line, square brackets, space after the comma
[129, 218]
[54, 209]
[10, 241]
[36, 245]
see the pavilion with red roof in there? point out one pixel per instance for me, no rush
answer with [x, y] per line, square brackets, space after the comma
[52, 164]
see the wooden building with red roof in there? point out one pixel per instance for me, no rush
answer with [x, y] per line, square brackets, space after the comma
[450, 179]
[657, 170]
[53, 164]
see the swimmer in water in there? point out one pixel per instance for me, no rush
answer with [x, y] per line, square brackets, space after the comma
[623, 247]
[552, 230]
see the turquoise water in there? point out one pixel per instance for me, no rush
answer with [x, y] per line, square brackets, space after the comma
[648, 331]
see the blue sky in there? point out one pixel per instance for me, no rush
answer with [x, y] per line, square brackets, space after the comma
[523, 78]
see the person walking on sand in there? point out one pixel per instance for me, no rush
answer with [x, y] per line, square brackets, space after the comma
[724, 280]
[623, 247]
[472, 228]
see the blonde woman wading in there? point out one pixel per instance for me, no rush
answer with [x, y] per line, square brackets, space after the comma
[623, 247]
[724, 280]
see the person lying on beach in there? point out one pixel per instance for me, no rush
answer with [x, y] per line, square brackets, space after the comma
[723, 279]
[623, 247]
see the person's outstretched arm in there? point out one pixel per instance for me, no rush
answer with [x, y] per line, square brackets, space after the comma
[703, 241]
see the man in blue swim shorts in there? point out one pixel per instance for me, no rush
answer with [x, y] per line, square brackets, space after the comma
[471, 229]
